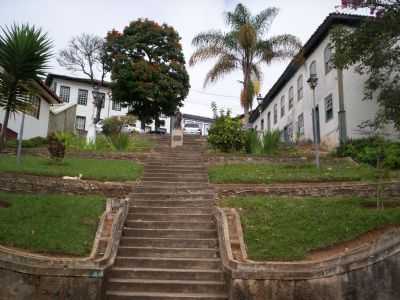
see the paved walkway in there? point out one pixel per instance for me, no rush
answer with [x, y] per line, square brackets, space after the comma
[169, 247]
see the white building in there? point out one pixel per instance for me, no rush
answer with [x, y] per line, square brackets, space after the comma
[203, 122]
[340, 107]
[80, 91]
[36, 119]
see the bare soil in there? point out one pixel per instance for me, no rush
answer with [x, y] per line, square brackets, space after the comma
[4, 204]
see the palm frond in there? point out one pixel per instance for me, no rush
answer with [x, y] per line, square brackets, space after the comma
[212, 37]
[225, 65]
[264, 19]
[256, 72]
[239, 17]
[285, 46]
[205, 53]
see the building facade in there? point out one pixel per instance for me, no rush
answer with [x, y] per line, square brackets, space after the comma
[203, 122]
[339, 104]
[36, 123]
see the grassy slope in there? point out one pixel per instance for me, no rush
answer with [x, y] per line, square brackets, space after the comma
[112, 170]
[50, 223]
[287, 229]
[270, 173]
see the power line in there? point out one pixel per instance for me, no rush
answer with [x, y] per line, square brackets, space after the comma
[216, 95]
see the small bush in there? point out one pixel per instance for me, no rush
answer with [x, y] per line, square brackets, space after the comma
[226, 134]
[252, 143]
[120, 141]
[112, 126]
[56, 146]
[271, 141]
[31, 143]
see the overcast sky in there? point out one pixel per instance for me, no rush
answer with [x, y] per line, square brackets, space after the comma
[64, 19]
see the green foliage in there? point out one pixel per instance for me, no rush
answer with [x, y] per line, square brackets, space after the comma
[97, 169]
[112, 126]
[368, 150]
[226, 134]
[374, 49]
[120, 141]
[252, 142]
[31, 143]
[148, 69]
[50, 224]
[24, 54]
[271, 141]
[279, 228]
[245, 47]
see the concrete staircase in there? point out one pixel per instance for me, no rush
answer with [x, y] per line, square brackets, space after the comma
[169, 248]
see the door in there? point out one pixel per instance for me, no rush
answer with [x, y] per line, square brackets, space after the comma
[317, 123]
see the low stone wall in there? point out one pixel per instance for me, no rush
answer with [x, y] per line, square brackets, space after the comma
[23, 183]
[25, 276]
[325, 189]
[368, 273]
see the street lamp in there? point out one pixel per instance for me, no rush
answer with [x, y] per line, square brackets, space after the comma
[313, 82]
[260, 100]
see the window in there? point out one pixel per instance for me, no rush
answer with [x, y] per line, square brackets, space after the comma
[34, 107]
[116, 105]
[82, 97]
[64, 93]
[282, 106]
[291, 97]
[300, 125]
[262, 124]
[300, 88]
[313, 68]
[80, 123]
[328, 59]
[328, 108]
[269, 121]
[275, 113]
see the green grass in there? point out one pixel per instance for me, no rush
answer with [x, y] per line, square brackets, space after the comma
[104, 170]
[280, 172]
[287, 229]
[55, 224]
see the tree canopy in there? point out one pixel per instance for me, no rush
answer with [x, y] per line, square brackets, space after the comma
[374, 48]
[147, 69]
[245, 47]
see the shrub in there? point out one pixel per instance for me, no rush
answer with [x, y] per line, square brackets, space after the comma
[112, 126]
[120, 141]
[31, 143]
[226, 134]
[56, 146]
[271, 141]
[252, 142]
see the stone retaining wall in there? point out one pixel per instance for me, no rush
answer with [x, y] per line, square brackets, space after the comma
[23, 183]
[368, 273]
[25, 276]
[362, 189]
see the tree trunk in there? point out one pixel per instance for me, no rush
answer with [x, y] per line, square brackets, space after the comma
[98, 111]
[3, 134]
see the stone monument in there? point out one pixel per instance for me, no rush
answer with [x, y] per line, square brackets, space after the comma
[176, 130]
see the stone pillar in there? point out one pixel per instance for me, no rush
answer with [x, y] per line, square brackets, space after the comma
[176, 130]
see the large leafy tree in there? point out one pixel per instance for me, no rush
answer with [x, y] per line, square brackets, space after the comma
[147, 69]
[24, 53]
[85, 54]
[374, 48]
[245, 47]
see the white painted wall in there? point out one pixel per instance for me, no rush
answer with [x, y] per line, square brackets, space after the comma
[33, 127]
[357, 110]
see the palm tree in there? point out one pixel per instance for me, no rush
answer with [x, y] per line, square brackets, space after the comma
[243, 48]
[24, 54]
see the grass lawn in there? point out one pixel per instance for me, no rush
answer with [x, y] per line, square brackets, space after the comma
[279, 172]
[53, 224]
[107, 170]
[287, 229]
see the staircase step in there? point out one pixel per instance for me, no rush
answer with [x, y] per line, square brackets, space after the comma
[175, 196]
[167, 263]
[173, 203]
[170, 189]
[163, 296]
[170, 233]
[170, 217]
[170, 225]
[168, 242]
[169, 210]
[166, 286]
[168, 252]
[171, 274]
[174, 179]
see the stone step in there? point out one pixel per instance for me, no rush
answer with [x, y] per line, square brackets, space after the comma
[168, 252]
[174, 179]
[173, 203]
[170, 233]
[170, 225]
[167, 263]
[165, 286]
[172, 274]
[169, 196]
[169, 243]
[133, 208]
[175, 174]
[175, 185]
[170, 217]
[154, 188]
[175, 169]
[112, 295]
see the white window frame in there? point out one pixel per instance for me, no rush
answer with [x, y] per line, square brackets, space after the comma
[83, 96]
[64, 95]
[78, 123]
